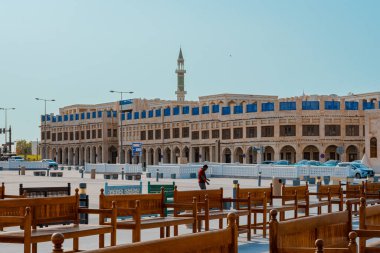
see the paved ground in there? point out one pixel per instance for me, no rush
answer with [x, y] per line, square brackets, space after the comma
[12, 181]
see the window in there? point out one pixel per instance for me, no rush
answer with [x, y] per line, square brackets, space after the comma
[167, 133]
[82, 135]
[185, 132]
[215, 133]
[351, 105]
[205, 109]
[195, 135]
[115, 133]
[251, 107]
[226, 134]
[195, 111]
[93, 115]
[373, 148]
[310, 130]
[205, 134]
[176, 110]
[332, 105]
[65, 136]
[158, 134]
[99, 114]
[88, 134]
[310, 105]
[238, 133]
[94, 134]
[59, 136]
[150, 134]
[48, 135]
[150, 114]
[251, 132]
[226, 110]
[267, 107]
[167, 111]
[267, 131]
[129, 116]
[137, 115]
[185, 110]
[143, 135]
[288, 130]
[175, 132]
[352, 130]
[288, 106]
[143, 114]
[77, 135]
[109, 133]
[215, 108]
[238, 109]
[332, 130]
[99, 133]
[368, 105]
[71, 136]
[54, 136]
[158, 112]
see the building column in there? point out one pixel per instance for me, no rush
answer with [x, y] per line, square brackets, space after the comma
[201, 154]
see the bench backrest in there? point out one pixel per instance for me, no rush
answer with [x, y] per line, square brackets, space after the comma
[372, 187]
[46, 210]
[288, 192]
[156, 188]
[258, 196]
[333, 228]
[36, 192]
[334, 190]
[214, 196]
[122, 189]
[368, 215]
[149, 203]
[2, 191]
[217, 241]
[354, 190]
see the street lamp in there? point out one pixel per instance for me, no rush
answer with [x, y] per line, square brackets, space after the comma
[5, 133]
[121, 121]
[45, 100]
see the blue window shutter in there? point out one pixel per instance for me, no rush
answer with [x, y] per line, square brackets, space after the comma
[99, 114]
[238, 109]
[158, 112]
[185, 110]
[167, 111]
[143, 114]
[151, 114]
[226, 110]
[205, 109]
[195, 111]
[215, 108]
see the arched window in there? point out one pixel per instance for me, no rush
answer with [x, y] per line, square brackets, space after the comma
[373, 148]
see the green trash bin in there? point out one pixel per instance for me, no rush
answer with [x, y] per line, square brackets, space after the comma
[173, 176]
[193, 175]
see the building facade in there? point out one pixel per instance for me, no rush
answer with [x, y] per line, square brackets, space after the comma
[372, 157]
[228, 128]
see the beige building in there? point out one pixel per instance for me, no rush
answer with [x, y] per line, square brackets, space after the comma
[226, 128]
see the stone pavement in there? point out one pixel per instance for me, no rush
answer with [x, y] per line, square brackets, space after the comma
[12, 181]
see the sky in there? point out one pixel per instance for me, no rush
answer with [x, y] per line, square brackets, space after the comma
[76, 51]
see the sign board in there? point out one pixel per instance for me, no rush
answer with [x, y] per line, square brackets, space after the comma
[136, 148]
[322, 155]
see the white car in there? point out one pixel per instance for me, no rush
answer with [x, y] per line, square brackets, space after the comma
[52, 163]
[16, 158]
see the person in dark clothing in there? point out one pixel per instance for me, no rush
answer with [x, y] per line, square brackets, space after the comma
[202, 179]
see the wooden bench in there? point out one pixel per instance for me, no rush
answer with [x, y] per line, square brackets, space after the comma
[371, 190]
[139, 206]
[39, 173]
[299, 235]
[5, 196]
[369, 227]
[210, 203]
[33, 192]
[262, 203]
[122, 189]
[52, 210]
[303, 198]
[334, 191]
[218, 241]
[110, 175]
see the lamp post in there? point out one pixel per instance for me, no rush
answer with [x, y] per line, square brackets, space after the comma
[5, 133]
[121, 120]
[45, 100]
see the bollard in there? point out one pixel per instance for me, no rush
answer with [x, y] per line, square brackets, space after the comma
[19, 170]
[22, 171]
[47, 172]
[93, 173]
[83, 202]
[234, 192]
[81, 171]
[122, 173]
[157, 175]
[259, 182]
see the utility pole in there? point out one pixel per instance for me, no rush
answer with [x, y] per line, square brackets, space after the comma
[45, 131]
[5, 144]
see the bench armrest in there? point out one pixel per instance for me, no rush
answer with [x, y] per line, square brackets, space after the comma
[367, 233]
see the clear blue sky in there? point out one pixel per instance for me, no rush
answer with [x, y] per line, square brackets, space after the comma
[76, 51]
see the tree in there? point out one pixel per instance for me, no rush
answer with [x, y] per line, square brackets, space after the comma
[24, 147]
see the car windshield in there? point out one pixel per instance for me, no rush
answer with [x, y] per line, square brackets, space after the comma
[360, 166]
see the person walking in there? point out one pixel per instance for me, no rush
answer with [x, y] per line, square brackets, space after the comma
[202, 179]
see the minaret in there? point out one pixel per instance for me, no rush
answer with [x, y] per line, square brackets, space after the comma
[180, 77]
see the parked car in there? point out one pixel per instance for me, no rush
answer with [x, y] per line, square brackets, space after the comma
[357, 161]
[16, 158]
[52, 163]
[331, 163]
[301, 163]
[267, 162]
[357, 170]
[281, 162]
[314, 163]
